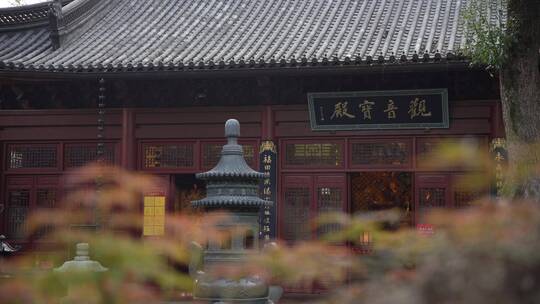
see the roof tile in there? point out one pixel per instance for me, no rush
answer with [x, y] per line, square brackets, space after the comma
[198, 34]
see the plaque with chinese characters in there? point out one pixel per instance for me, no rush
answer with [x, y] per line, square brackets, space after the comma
[268, 163]
[409, 109]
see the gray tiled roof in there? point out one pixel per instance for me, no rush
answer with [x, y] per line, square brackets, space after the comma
[157, 34]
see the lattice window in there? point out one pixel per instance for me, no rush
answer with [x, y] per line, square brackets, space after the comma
[77, 155]
[212, 152]
[372, 191]
[249, 155]
[465, 198]
[18, 205]
[424, 149]
[296, 218]
[154, 215]
[34, 156]
[380, 153]
[329, 199]
[427, 149]
[314, 154]
[46, 198]
[168, 156]
[431, 198]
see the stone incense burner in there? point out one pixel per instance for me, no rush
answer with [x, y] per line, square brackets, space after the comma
[233, 187]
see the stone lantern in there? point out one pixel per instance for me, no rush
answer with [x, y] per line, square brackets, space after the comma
[81, 261]
[233, 187]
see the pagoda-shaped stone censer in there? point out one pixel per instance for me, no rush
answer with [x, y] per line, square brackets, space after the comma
[233, 187]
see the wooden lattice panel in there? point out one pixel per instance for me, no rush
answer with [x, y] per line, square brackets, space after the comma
[296, 213]
[32, 156]
[430, 198]
[46, 198]
[178, 155]
[375, 191]
[249, 155]
[77, 155]
[428, 150]
[187, 189]
[314, 154]
[329, 199]
[18, 205]
[388, 153]
[212, 152]
[465, 198]
[371, 191]
[425, 148]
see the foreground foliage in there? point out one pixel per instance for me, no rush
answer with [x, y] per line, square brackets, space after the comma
[488, 253]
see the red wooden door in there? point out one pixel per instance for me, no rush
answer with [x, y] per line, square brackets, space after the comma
[295, 210]
[306, 196]
[25, 194]
[18, 205]
[330, 196]
[303, 198]
[431, 191]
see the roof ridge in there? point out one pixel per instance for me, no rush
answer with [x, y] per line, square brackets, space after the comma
[25, 16]
[70, 22]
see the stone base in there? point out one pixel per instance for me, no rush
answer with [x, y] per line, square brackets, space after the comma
[233, 301]
[250, 290]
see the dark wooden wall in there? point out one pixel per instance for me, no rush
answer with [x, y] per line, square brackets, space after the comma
[195, 122]
[81, 124]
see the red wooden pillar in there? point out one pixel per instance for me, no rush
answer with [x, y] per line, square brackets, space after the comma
[267, 124]
[128, 139]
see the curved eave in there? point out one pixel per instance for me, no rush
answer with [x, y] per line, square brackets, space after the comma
[238, 69]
